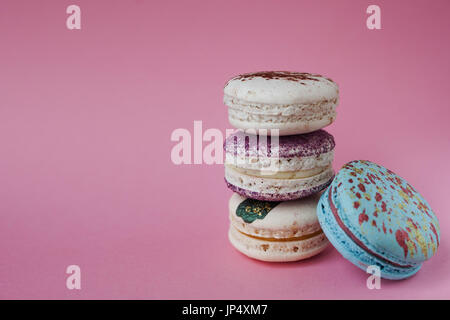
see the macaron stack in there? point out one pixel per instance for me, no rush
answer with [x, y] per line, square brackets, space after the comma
[278, 162]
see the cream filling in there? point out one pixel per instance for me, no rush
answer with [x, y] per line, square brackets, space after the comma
[299, 174]
[300, 238]
[263, 162]
[268, 185]
[266, 109]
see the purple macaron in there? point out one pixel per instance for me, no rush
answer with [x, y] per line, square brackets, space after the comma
[278, 168]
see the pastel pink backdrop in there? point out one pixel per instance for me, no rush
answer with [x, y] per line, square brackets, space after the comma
[86, 117]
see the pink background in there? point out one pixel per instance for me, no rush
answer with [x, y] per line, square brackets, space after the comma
[86, 117]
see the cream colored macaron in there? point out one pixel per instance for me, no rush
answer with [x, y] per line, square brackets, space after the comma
[276, 231]
[292, 102]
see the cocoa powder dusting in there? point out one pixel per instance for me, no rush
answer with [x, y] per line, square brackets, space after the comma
[285, 75]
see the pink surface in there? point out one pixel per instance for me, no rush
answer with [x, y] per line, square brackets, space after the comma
[86, 118]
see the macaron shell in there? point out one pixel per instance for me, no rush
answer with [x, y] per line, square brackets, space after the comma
[274, 219]
[385, 213]
[294, 146]
[281, 87]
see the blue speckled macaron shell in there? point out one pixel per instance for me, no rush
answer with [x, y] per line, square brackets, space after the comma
[385, 213]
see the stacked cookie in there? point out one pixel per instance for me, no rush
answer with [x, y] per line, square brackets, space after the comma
[278, 162]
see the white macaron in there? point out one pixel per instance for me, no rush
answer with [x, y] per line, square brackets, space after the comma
[276, 231]
[292, 102]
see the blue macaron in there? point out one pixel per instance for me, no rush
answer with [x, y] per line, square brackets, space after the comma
[373, 217]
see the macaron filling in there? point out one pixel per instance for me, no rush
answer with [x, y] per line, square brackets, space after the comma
[280, 187]
[300, 238]
[278, 164]
[358, 242]
[273, 174]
